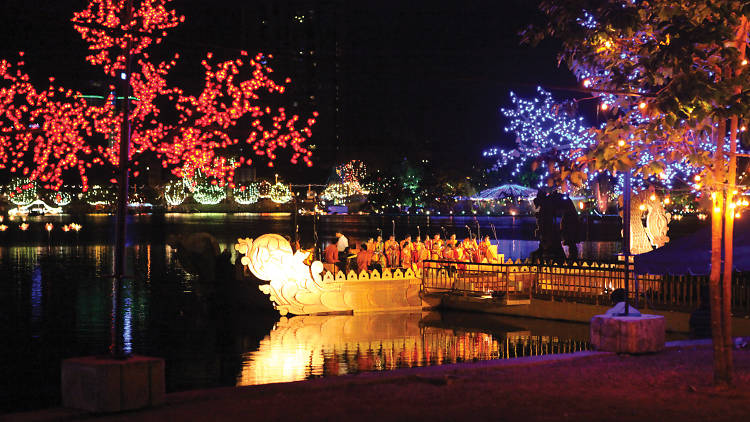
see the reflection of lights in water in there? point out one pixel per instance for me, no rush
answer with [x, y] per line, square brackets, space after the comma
[36, 294]
[127, 324]
[304, 347]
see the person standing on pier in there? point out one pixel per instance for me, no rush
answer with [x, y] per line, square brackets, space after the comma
[392, 252]
[406, 254]
[436, 250]
[380, 253]
[331, 254]
[342, 245]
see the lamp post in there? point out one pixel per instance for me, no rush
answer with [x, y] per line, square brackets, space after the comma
[116, 348]
[626, 235]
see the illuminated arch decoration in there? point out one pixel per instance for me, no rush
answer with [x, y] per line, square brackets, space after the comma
[280, 193]
[175, 192]
[300, 289]
[246, 195]
[209, 194]
[61, 198]
[264, 189]
[52, 131]
[22, 192]
[348, 183]
[35, 206]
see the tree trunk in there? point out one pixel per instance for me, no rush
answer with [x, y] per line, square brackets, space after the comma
[726, 283]
[717, 332]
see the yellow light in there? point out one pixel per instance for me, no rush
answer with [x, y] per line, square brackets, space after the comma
[697, 178]
[621, 143]
[604, 106]
[580, 204]
[652, 197]
[744, 62]
[666, 200]
[732, 205]
[642, 105]
[713, 195]
[48, 226]
[734, 192]
[587, 82]
[736, 215]
[743, 128]
[642, 207]
[717, 209]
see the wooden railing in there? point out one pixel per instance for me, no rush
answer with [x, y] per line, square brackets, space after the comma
[578, 281]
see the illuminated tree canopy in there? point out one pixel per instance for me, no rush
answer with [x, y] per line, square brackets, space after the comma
[46, 133]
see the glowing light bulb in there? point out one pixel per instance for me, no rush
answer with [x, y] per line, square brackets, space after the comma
[666, 200]
[604, 106]
[642, 105]
[652, 197]
[697, 178]
[744, 62]
[621, 143]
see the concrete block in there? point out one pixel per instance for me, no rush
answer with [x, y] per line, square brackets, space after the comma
[103, 384]
[628, 334]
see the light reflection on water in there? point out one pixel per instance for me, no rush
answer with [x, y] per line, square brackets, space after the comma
[304, 347]
[55, 294]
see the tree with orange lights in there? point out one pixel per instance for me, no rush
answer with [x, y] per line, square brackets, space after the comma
[46, 133]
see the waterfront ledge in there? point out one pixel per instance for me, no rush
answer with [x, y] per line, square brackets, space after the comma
[102, 384]
[628, 334]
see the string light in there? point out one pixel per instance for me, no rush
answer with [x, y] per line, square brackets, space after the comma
[175, 192]
[280, 193]
[246, 195]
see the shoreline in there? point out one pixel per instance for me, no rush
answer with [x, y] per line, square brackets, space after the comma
[673, 384]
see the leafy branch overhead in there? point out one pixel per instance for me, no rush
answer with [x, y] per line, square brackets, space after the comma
[672, 56]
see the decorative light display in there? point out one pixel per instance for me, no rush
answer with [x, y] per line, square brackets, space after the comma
[264, 189]
[280, 193]
[21, 191]
[544, 127]
[348, 182]
[100, 196]
[61, 198]
[209, 194]
[246, 195]
[175, 192]
[37, 206]
[46, 133]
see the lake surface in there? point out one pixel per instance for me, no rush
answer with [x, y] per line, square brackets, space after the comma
[55, 301]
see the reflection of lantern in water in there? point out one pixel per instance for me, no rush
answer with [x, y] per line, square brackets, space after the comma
[24, 226]
[66, 228]
[49, 227]
[3, 227]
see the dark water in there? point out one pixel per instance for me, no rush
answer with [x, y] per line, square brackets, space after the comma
[55, 296]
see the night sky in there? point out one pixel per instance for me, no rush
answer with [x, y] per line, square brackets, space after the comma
[391, 79]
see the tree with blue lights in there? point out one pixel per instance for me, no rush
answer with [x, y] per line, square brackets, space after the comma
[672, 77]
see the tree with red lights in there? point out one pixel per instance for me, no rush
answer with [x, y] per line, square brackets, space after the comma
[47, 133]
[671, 75]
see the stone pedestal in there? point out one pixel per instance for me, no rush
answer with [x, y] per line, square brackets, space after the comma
[103, 384]
[628, 334]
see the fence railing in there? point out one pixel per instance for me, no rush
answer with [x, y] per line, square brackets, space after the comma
[579, 281]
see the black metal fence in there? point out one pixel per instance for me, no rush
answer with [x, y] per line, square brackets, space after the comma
[578, 281]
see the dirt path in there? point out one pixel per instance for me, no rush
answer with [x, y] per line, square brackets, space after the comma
[673, 385]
